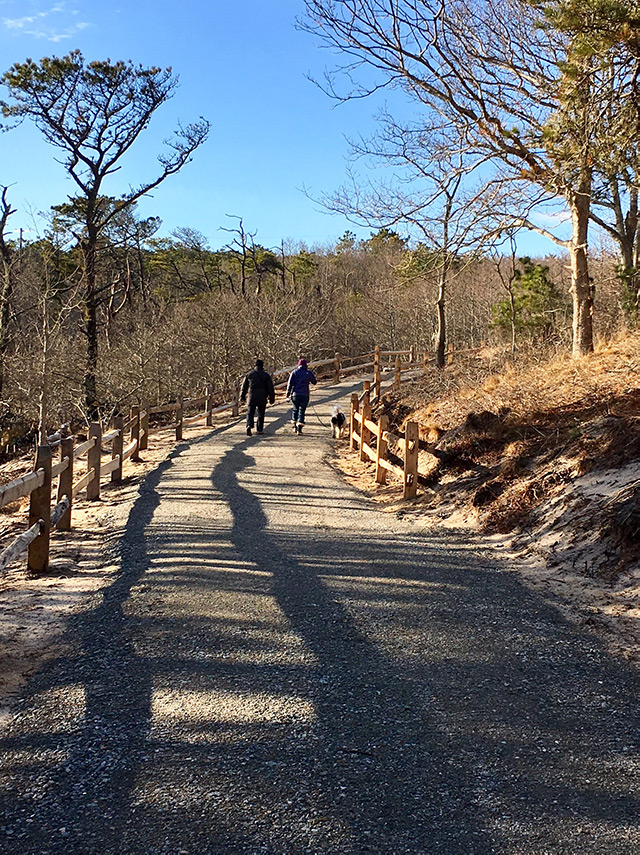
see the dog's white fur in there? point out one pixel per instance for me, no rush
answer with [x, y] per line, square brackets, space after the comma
[338, 422]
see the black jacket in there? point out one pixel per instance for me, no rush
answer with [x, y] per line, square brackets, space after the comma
[259, 385]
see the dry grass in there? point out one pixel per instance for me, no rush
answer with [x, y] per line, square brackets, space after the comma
[587, 409]
[527, 385]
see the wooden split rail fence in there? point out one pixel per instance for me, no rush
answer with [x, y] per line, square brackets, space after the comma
[39, 484]
[375, 441]
[206, 416]
[51, 479]
[382, 362]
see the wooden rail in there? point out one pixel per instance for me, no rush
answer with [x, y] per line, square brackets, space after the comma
[127, 452]
[19, 545]
[372, 440]
[79, 450]
[21, 487]
[61, 467]
[38, 485]
[83, 482]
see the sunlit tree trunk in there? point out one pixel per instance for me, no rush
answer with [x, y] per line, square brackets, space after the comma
[6, 285]
[90, 316]
[581, 289]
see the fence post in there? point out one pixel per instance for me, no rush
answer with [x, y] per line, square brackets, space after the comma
[412, 354]
[352, 420]
[179, 418]
[410, 460]
[117, 447]
[134, 414]
[366, 391]
[336, 368]
[381, 450]
[425, 362]
[397, 377]
[235, 412]
[376, 371]
[143, 444]
[209, 406]
[40, 509]
[65, 483]
[365, 436]
[450, 355]
[93, 461]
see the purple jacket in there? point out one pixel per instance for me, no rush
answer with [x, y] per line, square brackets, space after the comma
[299, 380]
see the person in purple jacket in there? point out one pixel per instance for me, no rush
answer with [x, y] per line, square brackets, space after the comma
[298, 391]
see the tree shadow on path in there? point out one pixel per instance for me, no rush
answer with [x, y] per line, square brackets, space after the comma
[423, 743]
[439, 706]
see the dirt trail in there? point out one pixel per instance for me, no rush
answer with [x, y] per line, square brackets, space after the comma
[281, 667]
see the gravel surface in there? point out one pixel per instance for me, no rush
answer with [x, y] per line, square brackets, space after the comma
[280, 667]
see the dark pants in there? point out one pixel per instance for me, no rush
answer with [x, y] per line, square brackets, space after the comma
[252, 407]
[299, 408]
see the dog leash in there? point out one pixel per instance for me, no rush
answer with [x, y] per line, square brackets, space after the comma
[318, 417]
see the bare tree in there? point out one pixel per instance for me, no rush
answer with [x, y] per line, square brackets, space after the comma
[496, 74]
[239, 249]
[431, 199]
[94, 113]
[8, 258]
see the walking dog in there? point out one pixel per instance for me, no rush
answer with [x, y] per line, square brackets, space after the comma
[338, 423]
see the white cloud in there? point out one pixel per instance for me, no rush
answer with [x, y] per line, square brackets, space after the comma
[51, 24]
[552, 221]
[21, 23]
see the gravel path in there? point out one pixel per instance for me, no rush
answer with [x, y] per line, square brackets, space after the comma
[282, 668]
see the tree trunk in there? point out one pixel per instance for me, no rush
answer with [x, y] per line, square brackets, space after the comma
[283, 271]
[5, 297]
[43, 401]
[91, 330]
[441, 332]
[581, 290]
[512, 307]
[6, 287]
[627, 253]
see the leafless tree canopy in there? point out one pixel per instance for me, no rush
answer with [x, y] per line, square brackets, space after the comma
[526, 87]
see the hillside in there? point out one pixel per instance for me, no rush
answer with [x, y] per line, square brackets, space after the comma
[541, 461]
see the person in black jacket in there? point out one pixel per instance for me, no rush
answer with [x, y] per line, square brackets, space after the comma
[259, 386]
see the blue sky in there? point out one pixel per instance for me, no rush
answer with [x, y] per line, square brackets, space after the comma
[243, 65]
